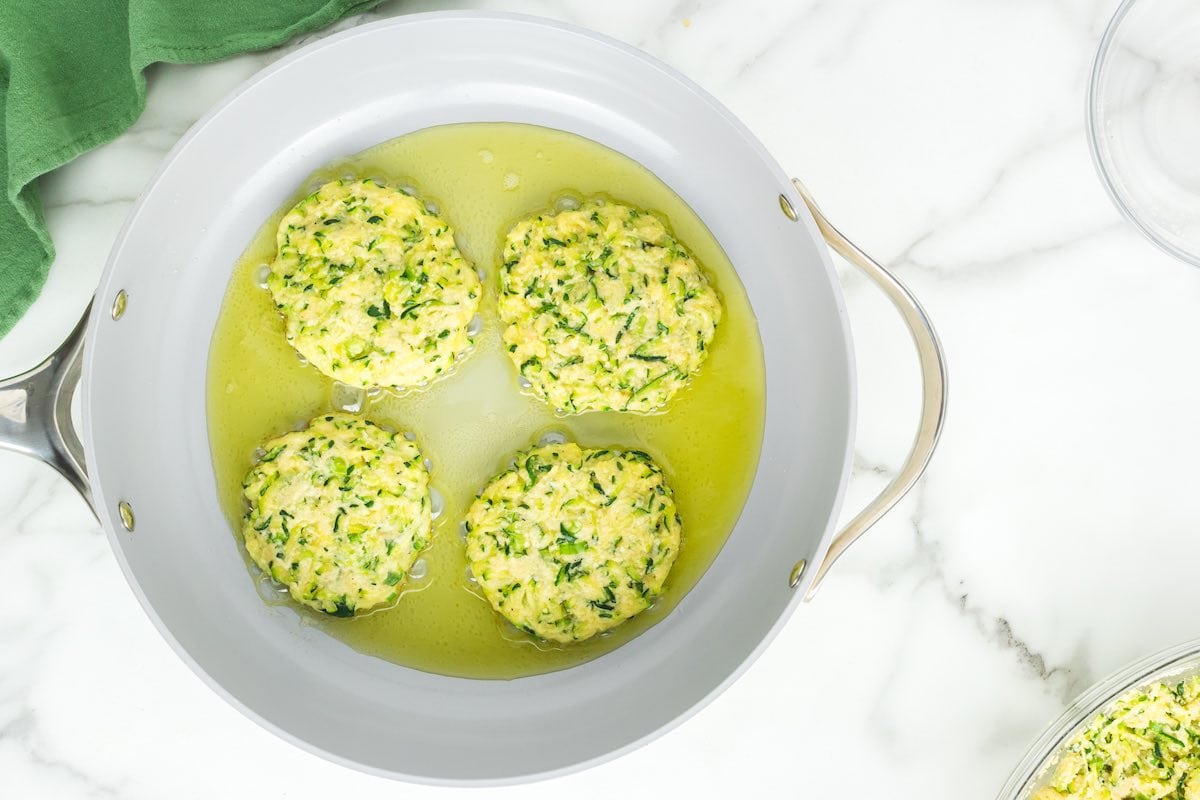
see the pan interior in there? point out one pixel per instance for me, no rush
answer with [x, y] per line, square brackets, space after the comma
[482, 178]
[145, 394]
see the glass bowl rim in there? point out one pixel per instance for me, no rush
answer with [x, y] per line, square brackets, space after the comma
[1119, 198]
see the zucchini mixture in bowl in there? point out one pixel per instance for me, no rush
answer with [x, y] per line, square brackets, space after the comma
[372, 287]
[604, 308]
[569, 542]
[338, 513]
[1145, 745]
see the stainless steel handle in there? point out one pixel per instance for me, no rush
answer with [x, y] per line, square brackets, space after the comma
[933, 399]
[35, 411]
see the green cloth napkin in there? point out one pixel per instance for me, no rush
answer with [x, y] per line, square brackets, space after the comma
[71, 79]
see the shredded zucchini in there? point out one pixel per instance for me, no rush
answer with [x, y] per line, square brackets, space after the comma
[1145, 746]
[338, 513]
[371, 286]
[572, 542]
[604, 309]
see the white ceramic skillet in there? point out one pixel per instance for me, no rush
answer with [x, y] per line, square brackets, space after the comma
[143, 458]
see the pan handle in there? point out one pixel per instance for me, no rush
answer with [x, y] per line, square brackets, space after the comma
[35, 411]
[932, 358]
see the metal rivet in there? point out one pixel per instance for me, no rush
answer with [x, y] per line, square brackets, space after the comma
[788, 209]
[797, 573]
[118, 309]
[126, 512]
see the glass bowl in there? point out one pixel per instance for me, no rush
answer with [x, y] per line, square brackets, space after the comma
[1037, 767]
[1143, 110]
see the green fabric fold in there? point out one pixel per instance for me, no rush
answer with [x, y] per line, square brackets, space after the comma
[71, 79]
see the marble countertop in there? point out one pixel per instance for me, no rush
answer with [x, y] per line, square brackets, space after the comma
[947, 139]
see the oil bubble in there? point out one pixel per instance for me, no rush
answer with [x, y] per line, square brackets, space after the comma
[348, 398]
[567, 203]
